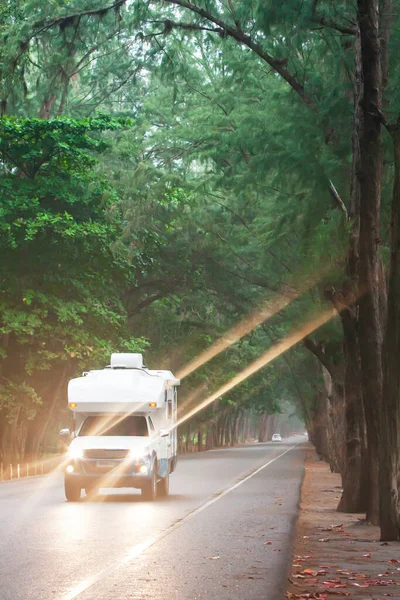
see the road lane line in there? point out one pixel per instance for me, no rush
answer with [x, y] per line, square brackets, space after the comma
[140, 548]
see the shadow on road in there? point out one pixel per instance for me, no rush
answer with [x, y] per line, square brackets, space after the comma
[100, 498]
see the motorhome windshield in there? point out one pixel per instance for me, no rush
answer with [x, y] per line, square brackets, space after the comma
[114, 426]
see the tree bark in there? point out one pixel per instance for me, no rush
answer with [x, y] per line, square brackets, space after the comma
[355, 492]
[389, 473]
[262, 432]
[199, 440]
[370, 179]
[320, 427]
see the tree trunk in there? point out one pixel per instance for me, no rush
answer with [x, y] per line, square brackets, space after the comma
[199, 440]
[49, 412]
[262, 433]
[370, 179]
[209, 437]
[235, 428]
[355, 491]
[355, 472]
[389, 452]
[187, 436]
[46, 106]
[334, 422]
[227, 430]
[320, 427]
[9, 442]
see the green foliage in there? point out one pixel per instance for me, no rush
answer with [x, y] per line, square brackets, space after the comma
[207, 194]
[61, 279]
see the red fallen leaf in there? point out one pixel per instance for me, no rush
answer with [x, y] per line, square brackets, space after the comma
[393, 561]
[367, 555]
[381, 582]
[309, 572]
[268, 544]
[305, 595]
[360, 585]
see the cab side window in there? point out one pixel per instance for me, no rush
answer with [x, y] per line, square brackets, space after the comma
[152, 428]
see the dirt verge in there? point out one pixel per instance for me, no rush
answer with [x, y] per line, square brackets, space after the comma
[338, 555]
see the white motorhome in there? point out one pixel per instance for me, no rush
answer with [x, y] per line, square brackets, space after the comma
[124, 431]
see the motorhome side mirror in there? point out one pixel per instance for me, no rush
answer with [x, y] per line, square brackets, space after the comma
[164, 433]
[65, 433]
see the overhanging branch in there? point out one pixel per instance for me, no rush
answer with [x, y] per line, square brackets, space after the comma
[64, 20]
[318, 352]
[279, 65]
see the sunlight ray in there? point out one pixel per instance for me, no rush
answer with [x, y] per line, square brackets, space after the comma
[269, 355]
[261, 314]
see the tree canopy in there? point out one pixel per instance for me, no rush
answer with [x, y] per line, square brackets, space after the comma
[173, 171]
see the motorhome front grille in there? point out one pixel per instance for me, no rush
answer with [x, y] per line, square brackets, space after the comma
[99, 454]
[94, 468]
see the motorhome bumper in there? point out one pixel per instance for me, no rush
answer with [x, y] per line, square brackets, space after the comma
[112, 474]
[109, 481]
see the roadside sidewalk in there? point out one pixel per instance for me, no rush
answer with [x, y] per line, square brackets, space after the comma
[338, 555]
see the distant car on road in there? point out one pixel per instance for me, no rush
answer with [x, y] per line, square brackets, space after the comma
[276, 437]
[293, 433]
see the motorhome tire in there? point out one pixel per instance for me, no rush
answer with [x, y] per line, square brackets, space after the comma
[72, 490]
[149, 490]
[91, 490]
[163, 487]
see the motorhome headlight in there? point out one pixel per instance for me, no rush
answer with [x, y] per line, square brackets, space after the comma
[75, 453]
[140, 457]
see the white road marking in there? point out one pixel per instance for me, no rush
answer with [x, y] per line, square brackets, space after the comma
[140, 548]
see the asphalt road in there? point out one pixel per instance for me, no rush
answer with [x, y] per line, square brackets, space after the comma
[223, 534]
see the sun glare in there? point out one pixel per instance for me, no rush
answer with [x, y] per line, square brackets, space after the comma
[261, 362]
[250, 322]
